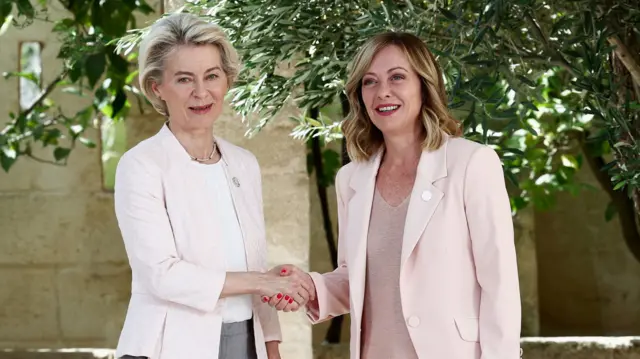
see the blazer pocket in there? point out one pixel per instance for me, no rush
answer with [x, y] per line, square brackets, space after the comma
[468, 328]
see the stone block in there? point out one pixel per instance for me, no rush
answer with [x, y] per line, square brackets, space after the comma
[82, 173]
[29, 301]
[275, 149]
[140, 127]
[47, 228]
[93, 302]
[286, 207]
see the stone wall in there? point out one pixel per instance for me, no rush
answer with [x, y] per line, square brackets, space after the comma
[63, 275]
[587, 278]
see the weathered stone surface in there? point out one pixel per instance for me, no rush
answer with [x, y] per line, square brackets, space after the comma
[524, 230]
[81, 174]
[59, 228]
[91, 294]
[28, 305]
[587, 278]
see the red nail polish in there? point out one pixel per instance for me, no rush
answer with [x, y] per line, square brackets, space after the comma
[290, 300]
[284, 271]
[265, 299]
[286, 297]
[279, 295]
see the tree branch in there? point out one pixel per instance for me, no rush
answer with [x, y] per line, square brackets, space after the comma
[43, 95]
[556, 56]
[49, 162]
[47, 91]
[626, 58]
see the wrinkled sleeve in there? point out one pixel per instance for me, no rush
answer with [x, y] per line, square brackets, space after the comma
[491, 230]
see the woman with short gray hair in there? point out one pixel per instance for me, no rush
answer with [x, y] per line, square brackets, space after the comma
[189, 206]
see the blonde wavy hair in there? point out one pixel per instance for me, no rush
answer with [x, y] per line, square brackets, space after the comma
[362, 137]
[166, 36]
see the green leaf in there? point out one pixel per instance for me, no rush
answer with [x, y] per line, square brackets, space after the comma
[87, 142]
[479, 38]
[512, 178]
[518, 203]
[6, 21]
[6, 7]
[118, 103]
[530, 105]
[64, 25]
[76, 71]
[61, 153]
[8, 156]
[569, 161]
[94, 67]
[514, 151]
[448, 14]
[6, 162]
[25, 8]
[51, 136]
[117, 62]
[589, 24]
[619, 185]
[610, 212]
[526, 81]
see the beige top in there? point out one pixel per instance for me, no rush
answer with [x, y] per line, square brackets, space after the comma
[384, 331]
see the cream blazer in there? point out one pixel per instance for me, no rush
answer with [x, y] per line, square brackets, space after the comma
[459, 278]
[175, 250]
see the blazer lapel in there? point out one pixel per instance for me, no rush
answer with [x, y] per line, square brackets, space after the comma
[425, 197]
[192, 184]
[363, 183]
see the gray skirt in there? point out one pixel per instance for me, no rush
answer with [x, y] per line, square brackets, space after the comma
[237, 341]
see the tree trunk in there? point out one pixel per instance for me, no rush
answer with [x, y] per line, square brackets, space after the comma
[321, 186]
[334, 332]
[625, 64]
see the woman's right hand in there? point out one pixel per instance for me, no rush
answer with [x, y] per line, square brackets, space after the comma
[287, 288]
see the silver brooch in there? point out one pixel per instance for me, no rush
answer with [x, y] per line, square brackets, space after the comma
[236, 182]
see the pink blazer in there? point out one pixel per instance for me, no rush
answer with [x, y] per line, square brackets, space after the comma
[178, 268]
[459, 277]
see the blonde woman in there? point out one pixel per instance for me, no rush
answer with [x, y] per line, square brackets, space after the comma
[189, 205]
[427, 264]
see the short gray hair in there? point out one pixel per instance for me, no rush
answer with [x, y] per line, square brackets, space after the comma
[165, 36]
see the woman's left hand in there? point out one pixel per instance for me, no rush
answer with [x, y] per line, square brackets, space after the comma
[273, 350]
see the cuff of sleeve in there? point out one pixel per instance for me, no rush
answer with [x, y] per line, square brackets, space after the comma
[314, 309]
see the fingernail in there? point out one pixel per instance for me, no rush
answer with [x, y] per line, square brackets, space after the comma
[286, 297]
[265, 299]
[279, 295]
[290, 300]
[284, 271]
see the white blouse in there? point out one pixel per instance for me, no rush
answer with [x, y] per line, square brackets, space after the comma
[235, 308]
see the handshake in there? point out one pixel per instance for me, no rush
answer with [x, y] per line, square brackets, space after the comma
[287, 288]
